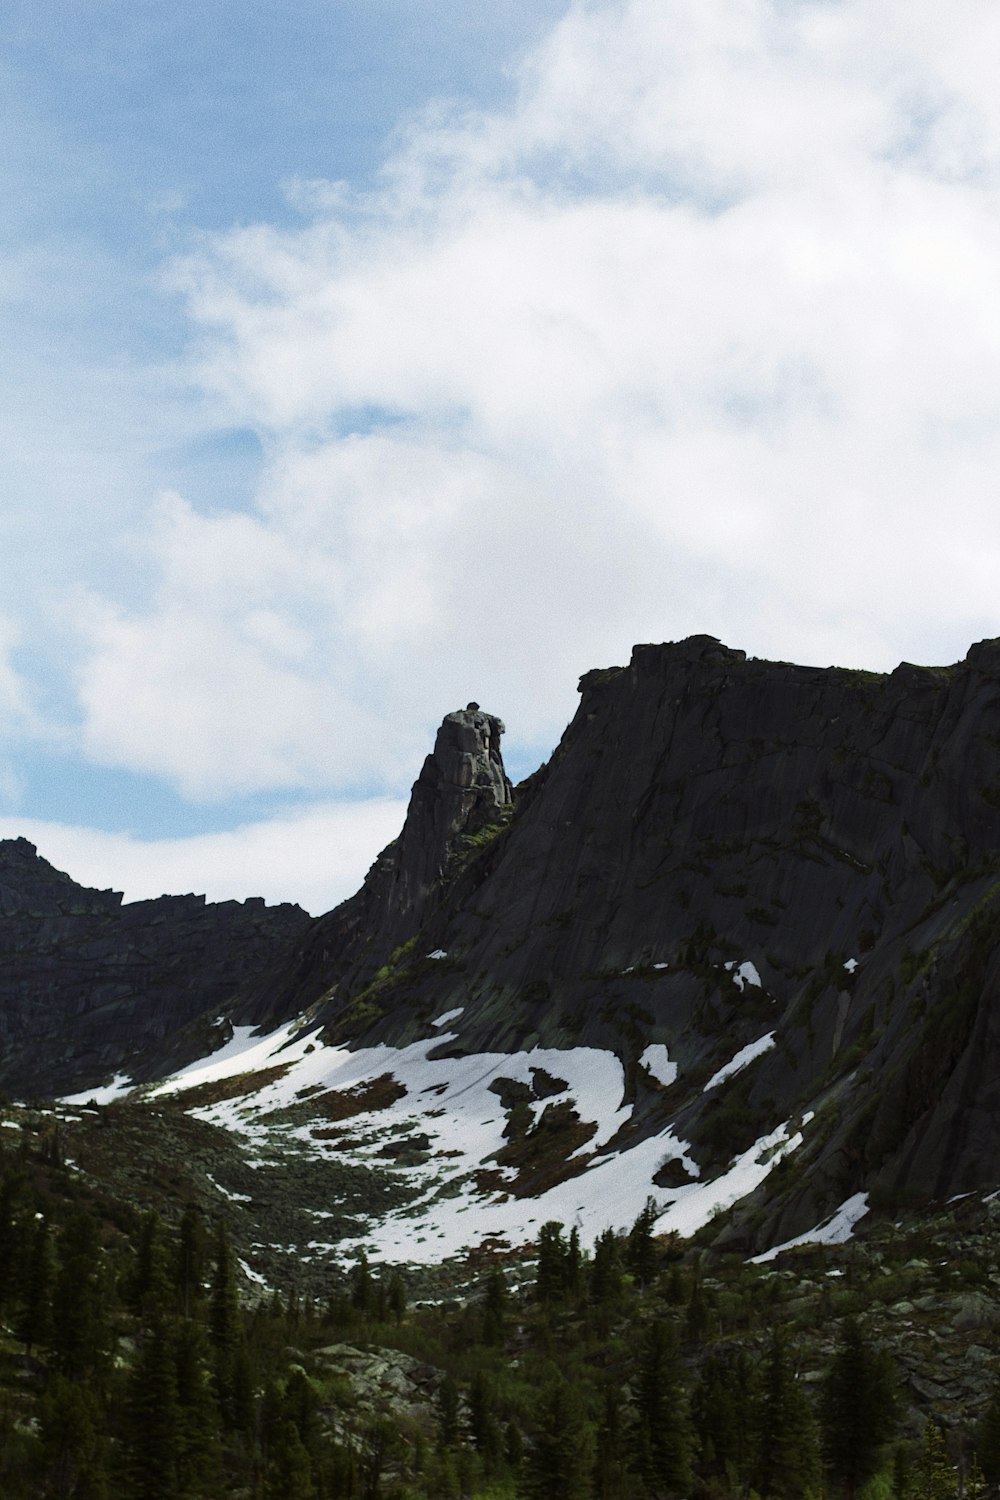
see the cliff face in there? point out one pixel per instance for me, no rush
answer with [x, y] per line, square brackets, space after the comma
[784, 876]
[837, 831]
[89, 987]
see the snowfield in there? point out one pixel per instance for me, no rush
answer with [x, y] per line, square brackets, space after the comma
[451, 1109]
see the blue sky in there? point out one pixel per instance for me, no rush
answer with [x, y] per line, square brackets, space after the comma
[359, 359]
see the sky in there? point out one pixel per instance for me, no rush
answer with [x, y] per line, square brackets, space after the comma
[361, 359]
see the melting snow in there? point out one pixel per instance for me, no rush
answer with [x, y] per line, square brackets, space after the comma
[449, 1015]
[836, 1230]
[743, 974]
[250, 1273]
[851, 965]
[742, 1059]
[450, 1101]
[246, 1052]
[656, 1059]
[119, 1086]
[438, 953]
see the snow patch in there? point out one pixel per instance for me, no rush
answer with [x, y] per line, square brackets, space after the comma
[742, 1060]
[245, 1052]
[438, 953]
[449, 1015]
[851, 965]
[226, 1193]
[836, 1230]
[456, 1203]
[250, 1273]
[119, 1086]
[744, 974]
[657, 1060]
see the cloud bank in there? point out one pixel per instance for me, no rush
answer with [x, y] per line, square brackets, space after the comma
[699, 333]
[702, 334]
[315, 858]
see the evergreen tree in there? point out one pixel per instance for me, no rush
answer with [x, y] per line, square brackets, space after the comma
[79, 1332]
[189, 1260]
[610, 1469]
[150, 1291]
[362, 1287]
[495, 1309]
[73, 1441]
[605, 1269]
[33, 1323]
[224, 1326]
[640, 1247]
[988, 1436]
[934, 1477]
[558, 1464]
[198, 1449]
[723, 1414]
[151, 1437]
[290, 1476]
[788, 1463]
[447, 1413]
[550, 1272]
[858, 1410]
[396, 1297]
[662, 1426]
[483, 1426]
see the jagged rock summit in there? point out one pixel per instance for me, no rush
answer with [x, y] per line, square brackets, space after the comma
[757, 903]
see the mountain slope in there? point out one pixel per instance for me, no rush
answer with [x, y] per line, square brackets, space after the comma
[735, 943]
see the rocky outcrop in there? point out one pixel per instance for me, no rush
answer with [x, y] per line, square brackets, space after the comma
[729, 858]
[838, 831]
[460, 797]
[90, 987]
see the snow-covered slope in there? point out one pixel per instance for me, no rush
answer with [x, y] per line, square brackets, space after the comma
[486, 1147]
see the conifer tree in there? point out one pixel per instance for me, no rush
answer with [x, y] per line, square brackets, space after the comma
[189, 1260]
[934, 1477]
[988, 1436]
[224, 1325]
[723, 1413]
[362, 1287]
[558, 1464]
[33, 1323]
[198, 1447]
[550, 1272]
[290, 1475]
[788, 1463]
[640, 1248]
[494, 1309]
[73, 1441]
[396, 1297]
[483, 1426]
[152, 1419]
[662, 1427]
[79, 1334]
[610, 1470]
[447, 1413]
[150, 1285]
[858, 1410]
[605, 1269]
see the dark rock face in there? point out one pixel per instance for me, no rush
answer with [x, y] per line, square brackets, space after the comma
[461, 792]
[720, 851]
[89, 987]
[838, 830]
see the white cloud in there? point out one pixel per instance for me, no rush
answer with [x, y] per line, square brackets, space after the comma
[315, 857]
[703, 334]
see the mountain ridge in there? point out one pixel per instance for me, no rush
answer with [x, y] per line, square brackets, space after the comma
[784, 875]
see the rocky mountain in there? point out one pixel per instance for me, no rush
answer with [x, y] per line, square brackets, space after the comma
[735, 947]
[90, 987]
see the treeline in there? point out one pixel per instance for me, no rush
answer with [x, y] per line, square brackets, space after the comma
[130, 1369]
